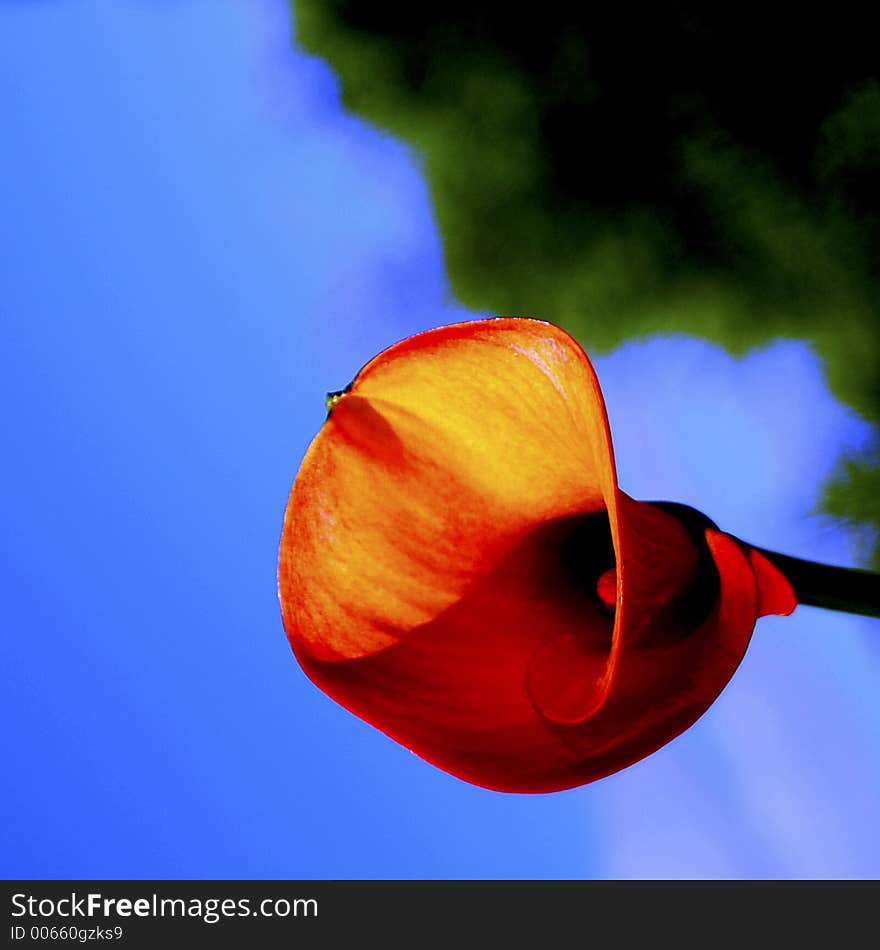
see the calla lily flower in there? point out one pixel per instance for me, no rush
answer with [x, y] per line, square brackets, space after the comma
[459, 568]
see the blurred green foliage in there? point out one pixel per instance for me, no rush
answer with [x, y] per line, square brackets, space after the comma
[631, 170]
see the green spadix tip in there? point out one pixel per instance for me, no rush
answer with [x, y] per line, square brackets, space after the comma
[331, 399]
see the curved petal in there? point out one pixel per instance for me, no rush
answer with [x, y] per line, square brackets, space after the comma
[655, 566]
[426, 472]
[663, 685]
[454, 690]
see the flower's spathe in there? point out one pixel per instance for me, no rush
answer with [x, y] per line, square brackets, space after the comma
[459, 568]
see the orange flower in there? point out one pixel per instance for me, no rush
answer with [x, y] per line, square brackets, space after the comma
[459, 568]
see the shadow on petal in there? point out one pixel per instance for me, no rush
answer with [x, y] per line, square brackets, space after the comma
[454, 690]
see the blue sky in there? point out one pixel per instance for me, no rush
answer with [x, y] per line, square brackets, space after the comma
[195, 245]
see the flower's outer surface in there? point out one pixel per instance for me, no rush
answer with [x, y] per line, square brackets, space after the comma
[459, 568]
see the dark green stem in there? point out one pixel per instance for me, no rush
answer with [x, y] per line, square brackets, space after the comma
[816, 585]
[835, 588]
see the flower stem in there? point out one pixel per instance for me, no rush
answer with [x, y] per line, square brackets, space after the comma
[835, 588]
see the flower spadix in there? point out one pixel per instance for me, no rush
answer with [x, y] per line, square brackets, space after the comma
[459, 568]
